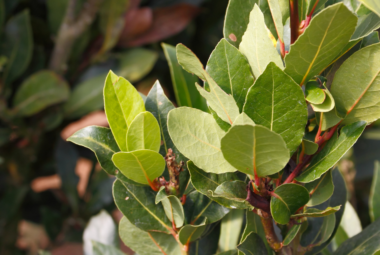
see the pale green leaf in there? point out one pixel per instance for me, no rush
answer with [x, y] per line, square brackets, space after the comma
[310, 147]
[327, 105]
[366, 24]
[314, 94]
[172, 206]
[243, 119]
[230, 229]
[350, 221]
[373, 5]
[315, 213]
[275, 9]
[330, 119]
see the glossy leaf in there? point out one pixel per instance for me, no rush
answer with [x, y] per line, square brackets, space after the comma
[314, 94]
[230, 229]
[100, 140]
[39, 91]
[197, 136]
[318, 231]
[233, 190]
[142, 166]
[253, 244]
[321, 189]
[269, 104]
[291, 234]
[334, 150]
[147, 243]
[231, 71]
[328, 32]
[373, 5]
[360, 73]
[186, 93]
[222, 103]
[315, 213]
[236, 20]
[103, 249]
[374, 200]
[310, 147]
[130, 199]
[257, 46]
[144, 133]
[255, 149]
[122, 103]
[287, 200]
[86, 97]
[206, 183]
[17, 46]
[172, 206]
[190, 233]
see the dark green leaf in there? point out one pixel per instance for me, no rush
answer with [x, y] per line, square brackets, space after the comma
[310, 147]
[366, 24]
[321, 189]
[374, 199]
[291, 234]
[253, 244]
[55, 13]
[318, 231]
[373, 5]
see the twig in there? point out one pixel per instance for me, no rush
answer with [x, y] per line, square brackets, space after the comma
[294, 20]
[273, 241]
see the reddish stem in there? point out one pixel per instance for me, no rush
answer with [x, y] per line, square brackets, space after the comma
[282, 49]
[294, 20]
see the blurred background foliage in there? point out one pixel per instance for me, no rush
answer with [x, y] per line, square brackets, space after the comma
[54, 57]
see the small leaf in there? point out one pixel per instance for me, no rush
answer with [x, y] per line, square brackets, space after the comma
[315, 213]
[269, 104]
[318, 231]
[374, 199]
[172, 206]
[257, 46]
[330, 119]
[314, 94]
[100, 140]
[142, 166]
[255, 149]
[310, 147]
[153, 242]
[222, 103]
[197, 136]
[373, 5]
[185, 92]
[253, 244]
[102, 249]
[287, 200]
[144, 133]
[231, 71]
[230, 229]
[334, 150]
[122, 103]
[331, 30]
[327, 105]
[130, 199]
[291, 234]
[321, 189]
[190, 233]
[39, 91]
[233, 190]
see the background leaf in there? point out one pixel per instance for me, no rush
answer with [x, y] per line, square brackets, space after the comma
[102, 249]
[374, 200]
[253, 244]
[230, 230]
[321, 189]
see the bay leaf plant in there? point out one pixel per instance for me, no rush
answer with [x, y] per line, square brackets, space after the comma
[289, 90]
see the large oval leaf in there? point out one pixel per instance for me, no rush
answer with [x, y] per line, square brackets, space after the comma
[329, 31]
[277, 102]
[231, 71]
[122, 103]
[255, 150]
[142, 166]
[144, 133]
[39, 91]
[197, 136]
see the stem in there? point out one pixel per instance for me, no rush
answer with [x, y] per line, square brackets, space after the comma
[294, 20]
[282, 49]
[266, 220]
[318, 136]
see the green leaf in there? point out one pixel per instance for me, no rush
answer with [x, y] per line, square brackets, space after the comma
[366, 24]
[287, 200]
[373, 5]
[321, 189]
[55, 14]
[257, 46]
[144, 133]
[253, 244]
[233, 190]
[135, 63]
[311, 3]
[197, 136]
[147, 243]
[330, 119]
[243, 119]
[291, 234]
[314, 94]
[172, 206]
[255, 149]
[275, 9]
[327, 34]
[310, 147]
[221, 123]
[359, 73]
[327, 105]
[374, 199]
[142, 166]
[230, 229]
[39, 91]
[318, 231]
[86, 97]
[186, 93]
[315, 213]
[332, 152]
[17, 46]
[205, 182]
[100, 140]
[269, 104]
[231, 71]
[103, 249]
[122, 103]
[350, 221]
[237, 19]
[131, 199]
[199, 206]
[370, 39]
[222, 103]
[190, 233]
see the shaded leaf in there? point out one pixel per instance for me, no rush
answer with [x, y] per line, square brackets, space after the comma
[277, 102]
[315, 213]
[370, 39]
[373, 5]
[190, 233]
[310, 147]
[233, 190]
[172, 206]
[374, 199]
[318, 231]
[230, 229]
[366, 24]
[330, 119]
[287, 200]
[321, 189]
[291, 234]
[253, 244]
[55, 14]
[103, 249]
